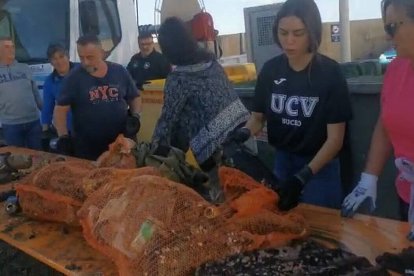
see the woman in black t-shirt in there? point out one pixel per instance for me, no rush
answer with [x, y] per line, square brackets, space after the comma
[303, 97]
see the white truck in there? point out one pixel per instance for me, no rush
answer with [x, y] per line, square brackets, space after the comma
[34, 24]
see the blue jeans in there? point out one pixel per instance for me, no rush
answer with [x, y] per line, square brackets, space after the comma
[324, 189]
[27, 135]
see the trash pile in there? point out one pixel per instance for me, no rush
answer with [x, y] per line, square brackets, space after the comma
[150, 225]
[11, 166]
[57, 191]
[402, 262]
[306, 258]
[148, 222]
[152, 220]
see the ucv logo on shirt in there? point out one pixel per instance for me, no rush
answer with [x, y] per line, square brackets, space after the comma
[294, 106]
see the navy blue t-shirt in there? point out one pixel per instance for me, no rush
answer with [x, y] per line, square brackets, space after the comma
[298, 106]
[99, 105]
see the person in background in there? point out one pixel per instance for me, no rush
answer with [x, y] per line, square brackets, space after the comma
[200, 105]
[20, 100]
[148, 64]
[59, 59]
[303, 97]
[394, 129]
[100, 94]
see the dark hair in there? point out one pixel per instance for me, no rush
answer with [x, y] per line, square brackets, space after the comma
[407, 5]
[144, 35]
[89, 39]
[308, 12]
[55, 48]
[179, 45]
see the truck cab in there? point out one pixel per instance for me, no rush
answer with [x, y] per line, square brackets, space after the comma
[34, 25]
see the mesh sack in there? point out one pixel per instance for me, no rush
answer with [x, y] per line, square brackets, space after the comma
[57, 191]
[254, 209]
[125, 153]
[150, 225]
[118, 155]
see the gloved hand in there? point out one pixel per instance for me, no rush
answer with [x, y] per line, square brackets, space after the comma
[239, 135]
[233, 142]
[160, 149]
[365, 192]
[133, 124]
[63, 145]
[399, 262]
[292, 188]
[47, 135]
[410, 235]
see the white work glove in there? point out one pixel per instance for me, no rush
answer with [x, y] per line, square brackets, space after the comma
[365, 192]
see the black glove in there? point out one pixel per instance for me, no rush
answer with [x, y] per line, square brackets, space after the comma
[133, 124]
[64, 145]
[401, 262]
[234, 141]
[292, 188]
[161, 150]
[240, 135]
[47, 135]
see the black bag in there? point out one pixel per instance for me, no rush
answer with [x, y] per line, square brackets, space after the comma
[240, 157]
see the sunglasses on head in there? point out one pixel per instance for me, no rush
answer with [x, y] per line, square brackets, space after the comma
[392, 28]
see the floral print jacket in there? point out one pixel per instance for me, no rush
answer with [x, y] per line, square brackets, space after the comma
[200, 109]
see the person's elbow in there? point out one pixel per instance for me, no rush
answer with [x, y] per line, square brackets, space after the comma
[336, 135]
[136, 104]
[336, 143]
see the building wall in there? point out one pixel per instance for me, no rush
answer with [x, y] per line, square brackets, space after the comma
[367, 41]
[233, 44]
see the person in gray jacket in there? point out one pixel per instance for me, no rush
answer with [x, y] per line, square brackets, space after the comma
[20, 101]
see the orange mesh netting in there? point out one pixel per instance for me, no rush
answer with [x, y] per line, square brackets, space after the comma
[119, 154]
[57, 191]
[152, 226]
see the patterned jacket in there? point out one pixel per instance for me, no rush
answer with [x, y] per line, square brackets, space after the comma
[200, 109]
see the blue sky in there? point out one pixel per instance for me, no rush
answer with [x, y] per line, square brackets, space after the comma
[228, 14]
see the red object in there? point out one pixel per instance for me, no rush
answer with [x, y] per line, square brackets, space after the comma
[202, 26]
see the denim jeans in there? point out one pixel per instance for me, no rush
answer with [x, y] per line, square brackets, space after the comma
[324, 189]
[27, 135]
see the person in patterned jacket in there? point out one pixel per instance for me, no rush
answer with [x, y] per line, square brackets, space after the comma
[200, 107]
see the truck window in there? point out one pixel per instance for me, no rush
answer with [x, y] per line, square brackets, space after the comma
[33, 25]
[101, 18]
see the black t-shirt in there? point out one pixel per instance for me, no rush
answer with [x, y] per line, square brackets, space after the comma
[99, 105]
[299, 105]
[155, 66]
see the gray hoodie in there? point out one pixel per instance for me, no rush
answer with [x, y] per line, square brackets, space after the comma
[19, 97]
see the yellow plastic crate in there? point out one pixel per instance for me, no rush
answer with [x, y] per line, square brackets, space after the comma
[243, 72]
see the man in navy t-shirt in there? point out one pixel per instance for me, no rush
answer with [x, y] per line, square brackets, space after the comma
[99, 94]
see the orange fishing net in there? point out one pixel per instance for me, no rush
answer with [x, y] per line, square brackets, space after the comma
[118, 155]
[152, 226]
[58, 190]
